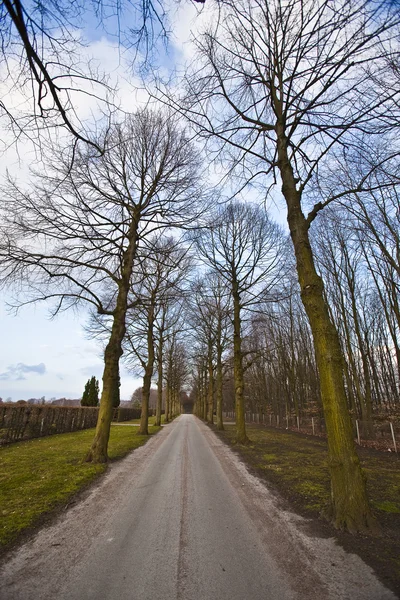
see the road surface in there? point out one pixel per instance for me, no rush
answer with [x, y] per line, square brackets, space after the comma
[182, 519]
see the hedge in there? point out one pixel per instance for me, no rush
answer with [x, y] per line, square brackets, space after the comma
[25, 422]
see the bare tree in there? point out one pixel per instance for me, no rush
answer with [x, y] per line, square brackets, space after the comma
[42, 48]
[175, 370]
[158, 281]
[282, 86]
[247, 250]
[208, 312]
[202, 318]
[75, 237]
[198, 359]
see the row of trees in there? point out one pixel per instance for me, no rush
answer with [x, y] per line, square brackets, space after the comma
[297, 91]
[89, 224]
[304, 93]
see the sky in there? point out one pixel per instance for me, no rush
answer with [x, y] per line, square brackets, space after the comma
[54, 358]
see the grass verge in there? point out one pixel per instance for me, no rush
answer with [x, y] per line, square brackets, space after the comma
[39, 475]
[151, 421]
[296, 466]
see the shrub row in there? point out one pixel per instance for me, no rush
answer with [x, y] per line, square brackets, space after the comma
[127, 414]
[19, 423]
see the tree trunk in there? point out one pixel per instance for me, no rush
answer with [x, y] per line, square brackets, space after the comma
[171, 401]
[201, 386]
[113, 352]
[210, 395]
[366, 398]
[241, 435]
[219, 382]
[144, 417]
[148, 374]
[205, 393]
[159, 382]
[349, 508]
[166, 414]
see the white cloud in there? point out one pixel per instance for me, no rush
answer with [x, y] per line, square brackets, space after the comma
[30, 339]
[17, 372]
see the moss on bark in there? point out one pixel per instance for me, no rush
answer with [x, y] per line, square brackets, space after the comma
[349, 508]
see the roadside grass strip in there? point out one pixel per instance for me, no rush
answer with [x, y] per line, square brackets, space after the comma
[297, 464]
[40, 475]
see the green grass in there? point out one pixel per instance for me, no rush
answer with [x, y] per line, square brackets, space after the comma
[151, 421]
[299, 470]
[297, 464]
[38, 475]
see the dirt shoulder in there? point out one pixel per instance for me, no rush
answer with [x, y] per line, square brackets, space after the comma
[295, 466]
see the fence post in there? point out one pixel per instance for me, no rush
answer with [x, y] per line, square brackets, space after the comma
[394, 439]
[298, 423]
[313, 426]
[358, 433]
[277, 420]
[287, 422]
[270, 420]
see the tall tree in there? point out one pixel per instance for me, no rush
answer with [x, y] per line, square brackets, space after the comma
[90, 396]
[283, 85]
[248, 251]
[157, 282]
[208, 311]
[75, 238]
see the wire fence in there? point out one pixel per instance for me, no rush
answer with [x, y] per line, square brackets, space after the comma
[379, 434]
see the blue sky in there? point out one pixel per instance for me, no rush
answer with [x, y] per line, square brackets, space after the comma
[53, 358]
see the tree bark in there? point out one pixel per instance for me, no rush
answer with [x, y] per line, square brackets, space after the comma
[113, 352]
[349, 507]
[171, 401]
[148, 374]
[219, 382]
[166, 414]
[210, 395]
[159, 382]
[241, 435]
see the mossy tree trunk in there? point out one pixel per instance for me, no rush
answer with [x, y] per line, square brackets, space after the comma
[349, 508]
[210, 394]
[166, 414]
[159, 381]
[219, 379]
[149, 368]
[113, 351]
[241, 435]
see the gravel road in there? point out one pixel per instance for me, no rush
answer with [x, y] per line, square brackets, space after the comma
[182, 519]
